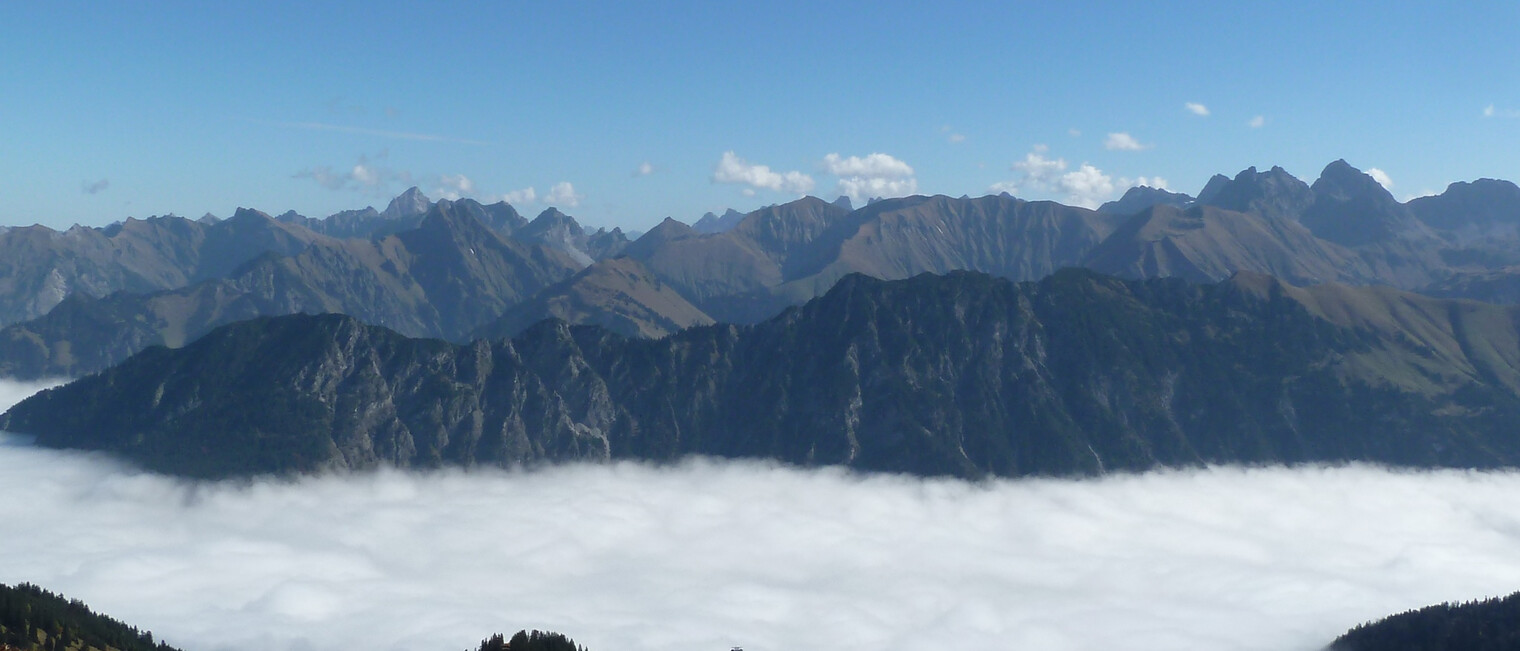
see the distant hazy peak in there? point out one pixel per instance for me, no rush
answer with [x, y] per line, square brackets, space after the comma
[1140, 197]
[407, 204]
[712, 223]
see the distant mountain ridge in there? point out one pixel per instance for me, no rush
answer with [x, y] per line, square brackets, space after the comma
[1344, 228]
[442, 279]
[962, 374]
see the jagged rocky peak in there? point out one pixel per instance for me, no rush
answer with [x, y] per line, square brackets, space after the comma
[407, 204]
[712, 223]
[1140, 197]
[553, 219]
[1341, 181]
[1352, 209]
[844, 202]
[1274, 194]
[246, 214]
[1212, 188]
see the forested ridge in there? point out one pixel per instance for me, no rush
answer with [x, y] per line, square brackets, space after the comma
[1484, 625]
[34, 619]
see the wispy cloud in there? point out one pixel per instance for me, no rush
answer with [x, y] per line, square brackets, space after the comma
[368, 174]
[1123, 142]
[644, 169]
[1196, 109]
[1492, 111]
[94, 187]
[1257, 122]
[1381, 177]
[379, 133]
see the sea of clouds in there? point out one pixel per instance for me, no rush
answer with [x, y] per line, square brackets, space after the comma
[709, 555]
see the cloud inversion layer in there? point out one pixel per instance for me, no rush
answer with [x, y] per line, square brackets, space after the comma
[712, 555]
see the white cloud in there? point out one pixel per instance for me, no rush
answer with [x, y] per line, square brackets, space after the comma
[644, 169]
[859, 188]
[955, 138]
[454, 186]
[1381, 177]
[875, 175]
[733, 169]
[708, 555]
[1075, 133]
[1147, 181]
[873, 165]
[562, 195]
[1196, 108]
[1123, 142]
[94, 187]
[521, 197]
[1087, 186]
[1257, 122]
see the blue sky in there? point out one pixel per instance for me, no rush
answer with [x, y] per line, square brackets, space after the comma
[625, 113]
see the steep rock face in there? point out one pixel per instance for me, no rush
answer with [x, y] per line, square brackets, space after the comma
[618, 294]
[1352, 209]
[447, 277]
[1273, 194]
[557, 230]
[961, 374]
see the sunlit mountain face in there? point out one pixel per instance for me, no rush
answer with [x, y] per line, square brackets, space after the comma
[710, 554]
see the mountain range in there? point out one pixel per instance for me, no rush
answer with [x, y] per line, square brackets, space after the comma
[79, 301]
[962, 374]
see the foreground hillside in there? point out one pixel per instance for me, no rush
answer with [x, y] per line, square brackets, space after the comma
[33, 619]
[1488, 625]
[963, 374]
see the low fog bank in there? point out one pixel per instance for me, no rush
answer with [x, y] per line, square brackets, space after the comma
[711, 555]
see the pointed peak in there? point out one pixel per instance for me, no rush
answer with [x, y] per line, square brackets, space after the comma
[248, 213]
[407, 204]
[552, 214]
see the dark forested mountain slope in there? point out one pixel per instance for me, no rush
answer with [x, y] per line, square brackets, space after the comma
[33, 619]
[1487, 625]
[962, 374]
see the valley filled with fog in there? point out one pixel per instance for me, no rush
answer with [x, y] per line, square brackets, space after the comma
[710, 555]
